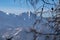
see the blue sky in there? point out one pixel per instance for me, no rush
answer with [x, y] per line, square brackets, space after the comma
[11, 7]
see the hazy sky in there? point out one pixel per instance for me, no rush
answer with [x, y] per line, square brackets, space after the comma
[11, 7]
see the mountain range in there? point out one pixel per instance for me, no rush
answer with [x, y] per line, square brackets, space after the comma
[9, 24]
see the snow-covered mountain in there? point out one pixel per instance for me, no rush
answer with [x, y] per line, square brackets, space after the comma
[12, 21]
[9, 24]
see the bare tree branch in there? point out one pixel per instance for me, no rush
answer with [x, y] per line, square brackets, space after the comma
[47, 2]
